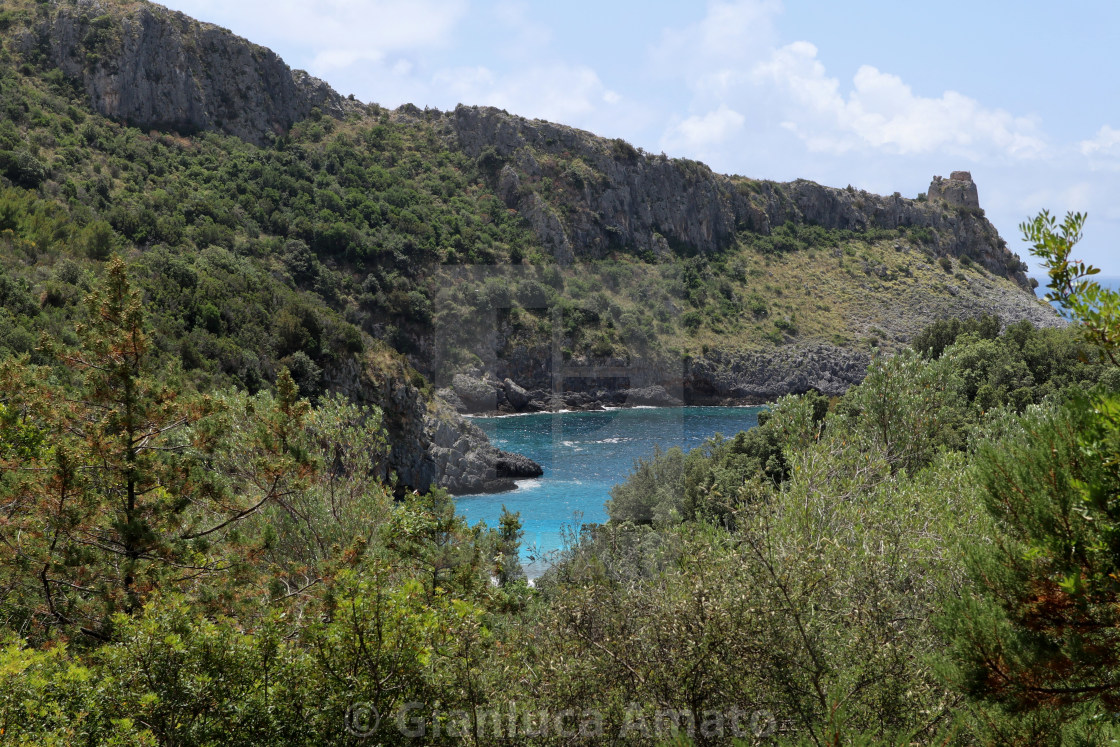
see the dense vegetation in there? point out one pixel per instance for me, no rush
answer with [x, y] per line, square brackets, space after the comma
[216, 569]
[340, 233]
[197, 545]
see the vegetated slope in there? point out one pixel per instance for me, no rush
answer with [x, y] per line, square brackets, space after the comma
[250, 259]
[599, 273]
[713, 287]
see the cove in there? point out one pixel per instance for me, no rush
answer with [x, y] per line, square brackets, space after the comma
[583, 455]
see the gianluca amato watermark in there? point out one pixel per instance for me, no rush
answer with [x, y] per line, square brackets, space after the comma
[423, 721]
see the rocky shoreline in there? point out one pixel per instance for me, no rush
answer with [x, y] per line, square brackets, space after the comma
[717, 378]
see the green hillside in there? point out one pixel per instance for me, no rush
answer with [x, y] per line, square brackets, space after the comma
[332, 236]
[229, 299]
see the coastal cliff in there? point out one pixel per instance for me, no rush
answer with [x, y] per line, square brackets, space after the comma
[158, 69]
[613, 196]
[605, 275]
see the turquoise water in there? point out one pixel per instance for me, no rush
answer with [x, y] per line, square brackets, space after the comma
[583, 454]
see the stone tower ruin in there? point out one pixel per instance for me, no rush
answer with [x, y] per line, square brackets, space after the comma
[958, 189]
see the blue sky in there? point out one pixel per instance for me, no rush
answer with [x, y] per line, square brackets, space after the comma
[879, 95]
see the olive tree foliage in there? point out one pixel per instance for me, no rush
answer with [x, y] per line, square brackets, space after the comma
[808, 597]
[1096, 309]
[905, 410]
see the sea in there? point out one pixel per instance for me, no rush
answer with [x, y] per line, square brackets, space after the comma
[583, 455]
[1108, 283]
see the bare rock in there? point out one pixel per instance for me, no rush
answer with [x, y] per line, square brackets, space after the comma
[651, 396]
[517, 397]
[156, 68]
[476, 394]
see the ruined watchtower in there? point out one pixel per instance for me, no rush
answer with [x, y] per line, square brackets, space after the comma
[958, 189]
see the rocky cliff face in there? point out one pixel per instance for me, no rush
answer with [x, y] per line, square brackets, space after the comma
[430, 445]
[604, 194]
[614, 196]
[958, 190]
[159, 69]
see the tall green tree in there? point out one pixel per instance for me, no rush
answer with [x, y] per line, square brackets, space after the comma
[113, 484]
[1035, 642]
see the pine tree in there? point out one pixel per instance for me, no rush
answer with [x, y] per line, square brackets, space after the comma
[113, 485]
[1035, 641]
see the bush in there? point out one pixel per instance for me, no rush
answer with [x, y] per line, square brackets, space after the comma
[98, 240]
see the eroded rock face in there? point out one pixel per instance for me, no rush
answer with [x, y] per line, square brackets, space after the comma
[623, 197]
[155, 68]
[615, 196]
[958, 190]
[430, 444]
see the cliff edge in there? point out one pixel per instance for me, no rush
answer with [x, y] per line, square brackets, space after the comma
[155, 68]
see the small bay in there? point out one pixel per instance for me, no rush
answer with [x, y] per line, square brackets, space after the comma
[583, 455]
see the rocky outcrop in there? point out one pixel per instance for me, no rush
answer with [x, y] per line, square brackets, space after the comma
[159, 69]
[604, 195]
[430, 445]
[745, 377]
[958, 190]
[466, 462]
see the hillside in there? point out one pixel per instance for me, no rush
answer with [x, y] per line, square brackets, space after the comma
[233, 343]
[389, 254]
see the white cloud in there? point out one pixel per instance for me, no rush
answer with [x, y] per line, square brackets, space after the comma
[1104, 149]
[881, 112]
[699, 133]
[560, 93]
[337, 33]
[730, 35]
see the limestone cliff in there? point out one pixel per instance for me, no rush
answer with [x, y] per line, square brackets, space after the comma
[430, 445]
[159, 69]
[604, 194]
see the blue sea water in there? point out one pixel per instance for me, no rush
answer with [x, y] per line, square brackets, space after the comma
[583, 455]
[1108, 283]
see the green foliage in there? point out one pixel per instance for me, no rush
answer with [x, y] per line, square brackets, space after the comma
[1096, 309]
[1035, 643]
[904, 409]
[1023, 366]
[234, 568]
[131, 484]
[932, 341]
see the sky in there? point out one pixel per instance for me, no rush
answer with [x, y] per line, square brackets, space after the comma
[879, 95]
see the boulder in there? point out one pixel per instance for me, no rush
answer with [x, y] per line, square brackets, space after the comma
[477, 395]
[517, 397]
[516, 466]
